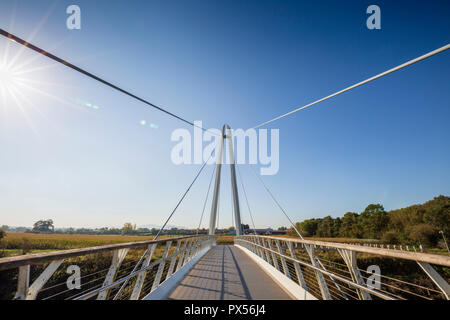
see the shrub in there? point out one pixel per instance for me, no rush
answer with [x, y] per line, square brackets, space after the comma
[424, 234]
[390, 237]
[26, 245]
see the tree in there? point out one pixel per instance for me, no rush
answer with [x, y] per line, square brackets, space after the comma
[437, 213]
[43, 226]
[128, 228]
[349, 226]
[325, 227]
[414, 224]
[424, 234]
[373, 221]
[308, 227]
[390, 237]
[2, 234]
[336, 227]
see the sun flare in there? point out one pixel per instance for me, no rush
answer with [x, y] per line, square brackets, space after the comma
[8, 78]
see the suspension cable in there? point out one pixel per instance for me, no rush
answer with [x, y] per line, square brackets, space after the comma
[206, 200]
[86, 73]
[404, 65]
[278, 204]
[162, 228]
[182, 198]
[246, 200]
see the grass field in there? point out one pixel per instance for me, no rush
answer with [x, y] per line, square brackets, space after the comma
[23, 243]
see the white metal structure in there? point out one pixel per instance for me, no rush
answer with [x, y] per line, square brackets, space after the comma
[226, 134]
[294, 263]
[159, 263]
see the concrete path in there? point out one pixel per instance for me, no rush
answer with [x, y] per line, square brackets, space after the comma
[227, 273]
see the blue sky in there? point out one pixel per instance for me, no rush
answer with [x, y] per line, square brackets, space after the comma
[235, 62]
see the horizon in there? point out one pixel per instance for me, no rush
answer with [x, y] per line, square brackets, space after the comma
[168, 227]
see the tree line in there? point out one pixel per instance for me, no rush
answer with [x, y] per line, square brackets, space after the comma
[417, 224]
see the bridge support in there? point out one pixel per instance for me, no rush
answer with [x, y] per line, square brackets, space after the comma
[226, 134]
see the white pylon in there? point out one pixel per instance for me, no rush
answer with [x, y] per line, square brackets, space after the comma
[226, 134]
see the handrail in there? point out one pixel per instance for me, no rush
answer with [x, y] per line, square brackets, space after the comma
[36, 258]
[407, 255]
[133, 274]
[262, 247]
[123, 279]
[355, 285]
[27, 290]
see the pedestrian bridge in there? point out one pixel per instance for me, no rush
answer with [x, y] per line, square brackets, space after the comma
[255, 267]
[227, 273]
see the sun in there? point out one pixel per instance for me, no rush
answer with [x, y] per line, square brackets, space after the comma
[8, 77]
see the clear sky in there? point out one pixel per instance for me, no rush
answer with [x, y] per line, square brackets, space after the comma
[236, 62]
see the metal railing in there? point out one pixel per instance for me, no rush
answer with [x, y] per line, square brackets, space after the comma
[110, 272]
[338, 271]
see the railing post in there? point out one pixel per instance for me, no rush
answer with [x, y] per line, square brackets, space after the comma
[141, 277]
[298, 270]
[196, 248]
[266, 253]
[283, 260]
[182, 253]
[37, 285]
[351, 262]
[274, 259]
[23, 282]
[118, 257]
[436, 278]
[320, 278]
[259, 250]
[191, 251]
[188, 252]
[174, 259]
[161, 266]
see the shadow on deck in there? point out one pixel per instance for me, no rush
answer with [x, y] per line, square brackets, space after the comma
[227, 273]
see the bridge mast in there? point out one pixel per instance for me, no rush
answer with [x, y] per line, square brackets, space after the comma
[226, 134]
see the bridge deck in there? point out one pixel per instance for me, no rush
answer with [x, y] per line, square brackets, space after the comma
[227, 273]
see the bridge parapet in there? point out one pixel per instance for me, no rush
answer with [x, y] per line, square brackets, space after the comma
[339, 271]
[110, 272]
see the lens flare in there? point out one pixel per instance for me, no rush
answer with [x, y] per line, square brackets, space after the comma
[7, 77]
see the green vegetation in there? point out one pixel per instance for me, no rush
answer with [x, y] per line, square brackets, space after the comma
[22, 243]
[44, 226]
[413, 225]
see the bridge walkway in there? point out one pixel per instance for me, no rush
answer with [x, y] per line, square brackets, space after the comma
[227, 273]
